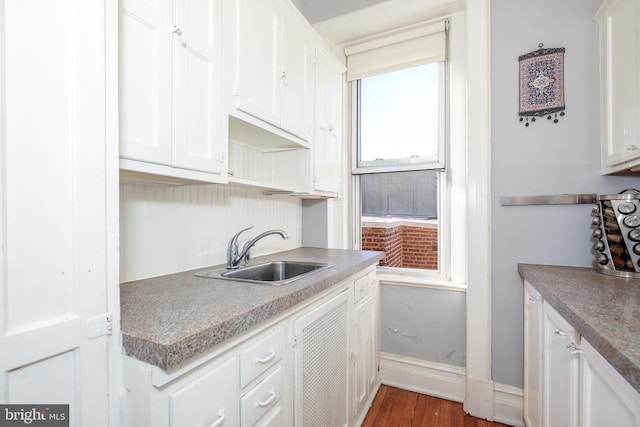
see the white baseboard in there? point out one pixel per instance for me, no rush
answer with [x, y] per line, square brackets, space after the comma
[508, 405]
[448, 382]
[434, 379]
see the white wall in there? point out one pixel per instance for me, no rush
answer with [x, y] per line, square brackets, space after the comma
[319, 10]
[165, 229]
[544, 158]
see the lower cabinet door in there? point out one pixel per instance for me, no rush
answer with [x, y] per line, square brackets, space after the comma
[365, 353]
[532, 357]
[606, 399]
[321, 368]
[560, 371]
[209, 400]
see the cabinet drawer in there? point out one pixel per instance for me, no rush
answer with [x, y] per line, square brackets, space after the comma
[207, 399]
[260, 356]
[364, 286]
[275, 418]
[261, 398]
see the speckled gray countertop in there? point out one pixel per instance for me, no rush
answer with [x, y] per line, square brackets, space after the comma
[604, 309]
[169, 319]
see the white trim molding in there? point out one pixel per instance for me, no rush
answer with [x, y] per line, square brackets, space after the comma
[479, 396]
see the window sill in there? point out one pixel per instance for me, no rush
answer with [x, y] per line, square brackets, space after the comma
[391, 278]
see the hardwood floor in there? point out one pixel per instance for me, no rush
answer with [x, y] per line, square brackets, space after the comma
[393, 407]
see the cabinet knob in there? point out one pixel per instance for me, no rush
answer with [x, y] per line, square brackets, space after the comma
[283, 76]
[633, 147]
[573, 348]
[560, 333]
[533, 299]
[178, 32]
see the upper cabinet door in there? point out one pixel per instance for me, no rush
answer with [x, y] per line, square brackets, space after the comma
[258, 81]
[145, 80]
[327, 144]
[199, 142]
[297, 73]
[620, 84]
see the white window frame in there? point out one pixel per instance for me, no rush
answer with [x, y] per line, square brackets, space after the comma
[451, 273]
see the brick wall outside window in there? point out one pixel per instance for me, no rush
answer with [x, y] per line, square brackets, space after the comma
[404, 246]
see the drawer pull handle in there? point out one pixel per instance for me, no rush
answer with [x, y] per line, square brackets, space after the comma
[266, 359]
[560, 333]
[220, 420]
[269, 400]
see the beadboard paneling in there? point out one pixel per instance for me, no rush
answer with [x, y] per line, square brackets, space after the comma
[167, 229]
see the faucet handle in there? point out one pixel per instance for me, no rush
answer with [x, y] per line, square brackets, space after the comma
[234, 239]
[232, 249]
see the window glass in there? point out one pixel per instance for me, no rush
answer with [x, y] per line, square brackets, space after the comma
[400, 143]
[401, 120]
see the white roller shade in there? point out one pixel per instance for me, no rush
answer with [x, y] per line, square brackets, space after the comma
[406, 49]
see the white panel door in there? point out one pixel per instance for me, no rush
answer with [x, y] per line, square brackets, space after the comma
[145, 80]
[297, 73]
[258, 84]
[58, 206]
[199, 142]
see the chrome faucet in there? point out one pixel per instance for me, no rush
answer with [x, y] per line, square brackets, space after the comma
[234, 256]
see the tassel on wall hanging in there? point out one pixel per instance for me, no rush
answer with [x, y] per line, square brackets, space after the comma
[541, 84]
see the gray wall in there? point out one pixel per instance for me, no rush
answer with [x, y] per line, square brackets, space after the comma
[544, 158]
[423, 323]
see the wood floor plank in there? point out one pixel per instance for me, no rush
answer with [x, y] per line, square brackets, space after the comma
[394, 407]
[457, 414]
[369, 420]
[427, 411]
[446, 413]
[470, 421]
[388, 413]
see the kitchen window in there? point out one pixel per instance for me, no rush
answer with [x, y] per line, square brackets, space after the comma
[402, 177]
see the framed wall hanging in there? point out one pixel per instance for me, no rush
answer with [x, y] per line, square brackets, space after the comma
[541, 84]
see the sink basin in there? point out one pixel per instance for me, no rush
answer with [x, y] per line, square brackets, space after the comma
[272, 273]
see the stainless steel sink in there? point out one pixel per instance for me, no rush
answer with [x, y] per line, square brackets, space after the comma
[272, 273]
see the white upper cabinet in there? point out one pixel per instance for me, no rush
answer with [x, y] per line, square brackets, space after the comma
[620, 85]
[199, 144]
[327, 145]
[297, 78]
[274, 78]
[145, 81]
[170, 89]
